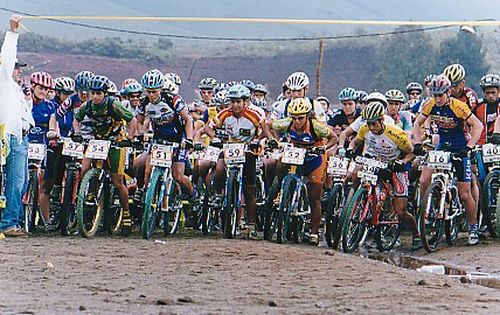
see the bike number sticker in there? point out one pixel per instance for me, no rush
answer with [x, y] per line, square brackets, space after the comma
[211, 154]
[491, 153]
[439, 160]
[98, 149]
[234, 152]
[337, 166]
[73, 149]
[161, 155]
[293, 156]
[36, 151]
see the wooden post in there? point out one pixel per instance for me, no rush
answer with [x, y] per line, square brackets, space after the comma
[318, 68]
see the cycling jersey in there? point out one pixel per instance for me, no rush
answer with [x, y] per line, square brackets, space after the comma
[469, 97]
[487, 114]
[42, 112]
[388, 146]
[340, 119]
[65, 122]
[243, 128]
[403, 120]
[280, 111]
[107, 118]
[450, 121]
[73, 104]
[165, 117]
[359, 122]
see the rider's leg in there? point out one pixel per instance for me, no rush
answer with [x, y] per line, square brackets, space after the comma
[139, 167]
[219, 176]
[315, 192]
[47, 182]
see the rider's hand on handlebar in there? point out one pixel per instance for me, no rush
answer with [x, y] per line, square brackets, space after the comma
[77, 137]
[397, 166]
[318, 150]
[342, 152]
[188, 144]
[198, 146]
[495, 138]
[349, 153]
[418, 149]
[273, 143]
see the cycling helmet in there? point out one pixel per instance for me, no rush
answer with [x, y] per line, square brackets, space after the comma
[440, 84]
[220, 98]
[297, 81]
[455, 73]
[373, 111]
[362, 95]
[299, 106]
[249, 84]
[220, 87]
[232, 83]
[207, 84]
[324, 99]
[112, 89]
[174, 77]
[429, 78]
[133, 87]
[128, 81]
[238, 91]
[348, 94]
[395, 96]
[170, 86]
[42, 78]
[261, 88]
[82, 80]
[376, 97]
[414, 86]
[99, 83]
[64, 85]
[260, 103]
[490, 80]
[153, 79]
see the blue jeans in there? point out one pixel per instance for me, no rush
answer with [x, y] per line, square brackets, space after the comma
[16, 181]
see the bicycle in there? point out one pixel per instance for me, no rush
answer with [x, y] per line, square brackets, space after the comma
[372, 207]
[32, 211]
[441, 207]
[490, 197]
[163, 193]
[96, 189]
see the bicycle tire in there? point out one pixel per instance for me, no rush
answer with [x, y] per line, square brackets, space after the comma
[152, 204]
[260, 197]
[270, 211]
[284, 207]
[172, 217]
[113, 212]
[230, 206]
[332, 217]
[82, 207]
[387, 231]
[198, 203]
[207, 218]
[31, 207]
[430, 242]
[489, 204]
[350, 241]
[67, 208]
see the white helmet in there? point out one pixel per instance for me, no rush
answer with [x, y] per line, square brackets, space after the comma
[378, 97]
[297, 81]
[174, 77]
[170, 86]
[112, 87]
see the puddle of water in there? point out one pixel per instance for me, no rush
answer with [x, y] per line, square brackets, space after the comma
[408, 262]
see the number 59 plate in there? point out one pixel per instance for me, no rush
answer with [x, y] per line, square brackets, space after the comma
[234, 152]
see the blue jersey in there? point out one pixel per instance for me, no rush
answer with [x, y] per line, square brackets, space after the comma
[65, 121]
[42, 112]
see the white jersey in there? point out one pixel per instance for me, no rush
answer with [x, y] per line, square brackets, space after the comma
[356, 125]
[280, 110]
[243, 128]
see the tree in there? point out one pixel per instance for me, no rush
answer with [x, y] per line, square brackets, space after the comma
[404, 58]
[467, 50]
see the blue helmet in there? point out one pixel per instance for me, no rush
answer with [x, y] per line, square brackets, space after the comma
[82, 80]
[133, 87]
[99, 83]
[153, 79]
[238, 91]
[248, 84]
[347, 94]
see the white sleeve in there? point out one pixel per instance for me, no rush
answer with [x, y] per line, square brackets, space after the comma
[278, 111]
[389, 120]
[356, 125]
[319, 111]
[9, 52]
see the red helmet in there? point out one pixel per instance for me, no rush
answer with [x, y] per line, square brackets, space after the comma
[42, 78]
[440, 84]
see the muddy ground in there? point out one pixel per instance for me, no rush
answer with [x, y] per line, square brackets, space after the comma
[193, 275]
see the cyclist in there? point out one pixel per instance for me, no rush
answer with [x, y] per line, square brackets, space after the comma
[450, 115]
[298, 83]
[206, 87]
[305, 131]
[176, 79]
[260, 92]
[243, 123]
[390, 144]
[488, 107]
[132, 94]
[113, 90]
[414, 91]
[402, 119]
[456, 75]
[346, 116]
[362, 99]
[169, 119]
[106, 115]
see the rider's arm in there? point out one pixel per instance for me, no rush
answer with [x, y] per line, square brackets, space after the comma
[344, 135]
[79, 117]
[206, 130]
[497, 125]
[132, 128]
[476, 130]
[188, 124]
[354, 143]
[417, 128]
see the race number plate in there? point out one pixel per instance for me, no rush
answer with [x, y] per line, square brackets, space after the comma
[36, 151]
[337, 166]
[161, 155]
[73, 149]
[211, 154]
[98, 149]
[439, 160]
[368, 173]
[293, 156]
[234, 153]
[491, 153]
[278, 153]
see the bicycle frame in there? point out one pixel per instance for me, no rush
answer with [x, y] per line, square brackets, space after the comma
[295, 172]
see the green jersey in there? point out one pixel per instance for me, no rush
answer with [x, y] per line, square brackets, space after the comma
[106, 118]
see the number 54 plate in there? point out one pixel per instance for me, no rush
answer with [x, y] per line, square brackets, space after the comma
[98, 149]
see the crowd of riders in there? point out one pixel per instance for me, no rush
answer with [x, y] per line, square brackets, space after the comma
[395, 127]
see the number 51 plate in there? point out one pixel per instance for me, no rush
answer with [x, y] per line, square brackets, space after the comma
[98, 149]
[161, 155]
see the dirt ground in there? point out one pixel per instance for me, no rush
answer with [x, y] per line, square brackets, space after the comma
[193, 275]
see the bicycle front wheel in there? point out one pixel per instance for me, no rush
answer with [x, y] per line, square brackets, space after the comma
[67, 218]
[332, 217]
[354, 224]
[489, 203]
[172, 217]
[90, 203]
[431, 218]
[389, 227]
[231, 206]
[31, 206]
[152, 204]
[284, 208]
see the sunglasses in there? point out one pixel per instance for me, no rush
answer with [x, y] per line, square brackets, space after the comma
[298, 118]
[415, 93]
[206, 91]
[135, 96]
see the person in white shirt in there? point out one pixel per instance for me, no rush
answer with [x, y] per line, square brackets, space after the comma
[15, 114]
